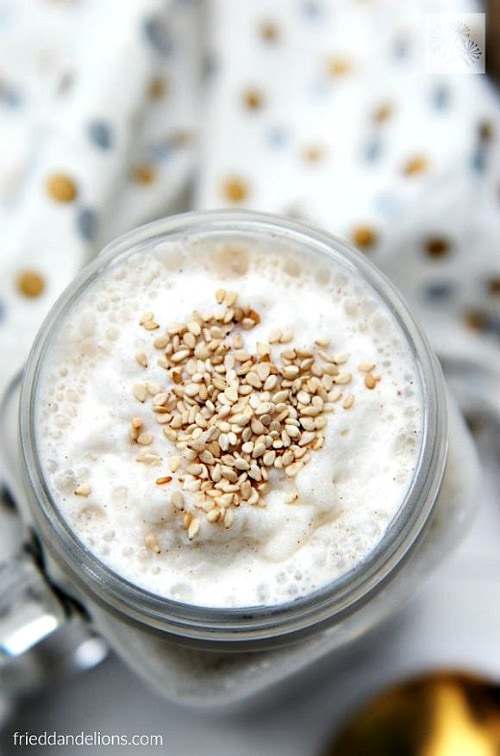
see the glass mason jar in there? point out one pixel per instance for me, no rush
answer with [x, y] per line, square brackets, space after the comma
[208, 655]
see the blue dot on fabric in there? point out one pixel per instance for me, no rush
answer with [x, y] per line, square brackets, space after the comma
[439, 290]
[158, 35]
[389, 205]
[87, 223]
[2, 311]
[320, 89]
[277, 137]
[210, 65]
[161, 150]
[440, 98]
[372, 150]
[478, 161]
[100, 134]
[493, 324]
[402, 48]
[311, 9]
[10, 96]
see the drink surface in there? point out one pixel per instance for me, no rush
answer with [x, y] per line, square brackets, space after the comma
[229, 424]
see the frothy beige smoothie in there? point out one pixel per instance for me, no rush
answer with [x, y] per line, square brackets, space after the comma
[229, 424]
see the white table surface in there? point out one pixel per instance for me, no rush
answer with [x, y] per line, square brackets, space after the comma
[454, 622]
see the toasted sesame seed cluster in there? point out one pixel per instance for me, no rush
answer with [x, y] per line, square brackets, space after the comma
[235, 418]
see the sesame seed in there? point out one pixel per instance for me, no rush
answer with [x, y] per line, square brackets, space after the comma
[286, 336]
[228, 518]
[83, 489]
[163, 480]
[343, 378]
[139, 391]
[177, 500]
[258, 450]
[180, 356]
[152, 543]
[264, 408]
[292, 431]
[306, 438]
[370, 381]
[268, 458]
[348, 401]
[223, 442]
[253, 380]
[194, 528]
[293, 469]
[149, 458]
[142, 359]
[160, 399]
[263, 349]
[366, 367]
[161, 342]
[214, 515]
[255, 472]
[290, 371]
[322, 341]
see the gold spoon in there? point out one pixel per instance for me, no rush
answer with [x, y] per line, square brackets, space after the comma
[440, 714]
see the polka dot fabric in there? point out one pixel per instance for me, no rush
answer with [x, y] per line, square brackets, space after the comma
[97, 135]
[324, 110]
[114, 113]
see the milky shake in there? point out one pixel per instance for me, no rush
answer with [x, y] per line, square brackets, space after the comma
[229, 423]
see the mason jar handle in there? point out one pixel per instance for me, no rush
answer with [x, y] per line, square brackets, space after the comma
[41, 631]
[30, 610]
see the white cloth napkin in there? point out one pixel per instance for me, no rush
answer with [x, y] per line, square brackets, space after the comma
[114, 113]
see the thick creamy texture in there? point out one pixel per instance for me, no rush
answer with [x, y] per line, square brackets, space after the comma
[313, 527]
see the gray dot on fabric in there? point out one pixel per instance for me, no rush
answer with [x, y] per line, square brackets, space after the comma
[100, 134]
[158, 35]
[437, 291]
[87, 224]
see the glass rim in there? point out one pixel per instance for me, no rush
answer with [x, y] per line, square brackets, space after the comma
[261, 622]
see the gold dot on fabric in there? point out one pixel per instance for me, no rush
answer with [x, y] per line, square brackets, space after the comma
[61, 187]
[416, 165]
[252, 99]
[493, 285]
[143, 174]
[234, 189]
[474, 320]
[157, 88]
[364, 237]
[313, 153]
[437, 246]
[268, 31]
[29, 283]
[337, 66]
[182, 138]
[383, 112]
[486, 131]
